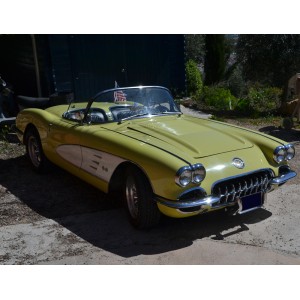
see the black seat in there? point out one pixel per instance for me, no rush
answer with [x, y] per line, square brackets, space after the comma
[97, 118]
[35, 102]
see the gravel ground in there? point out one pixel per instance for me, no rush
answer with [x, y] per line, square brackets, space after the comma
[57, 219]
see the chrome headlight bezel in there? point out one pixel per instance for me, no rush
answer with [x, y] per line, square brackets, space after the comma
[184, 176]
[199, 173]
[290, 151]
[190, 174]
[284, 153]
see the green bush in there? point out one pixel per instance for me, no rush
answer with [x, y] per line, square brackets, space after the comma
[4, 130]
[219, 98]
[243, 105]
[288, 123]
[264, 99]
[194, 80]
[236, 83]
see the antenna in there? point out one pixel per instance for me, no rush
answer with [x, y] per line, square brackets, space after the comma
[70, 100]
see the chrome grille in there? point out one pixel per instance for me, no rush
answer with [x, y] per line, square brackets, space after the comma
[230, 189]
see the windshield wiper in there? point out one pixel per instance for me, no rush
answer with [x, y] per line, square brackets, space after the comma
[179, 113]
[133, 116]
[171, 113]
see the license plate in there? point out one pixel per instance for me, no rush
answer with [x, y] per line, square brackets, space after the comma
[249, 203]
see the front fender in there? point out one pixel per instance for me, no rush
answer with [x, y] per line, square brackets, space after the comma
[40, 119]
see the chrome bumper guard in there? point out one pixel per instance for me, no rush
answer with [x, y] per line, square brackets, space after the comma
[212, 201]
[283, 178]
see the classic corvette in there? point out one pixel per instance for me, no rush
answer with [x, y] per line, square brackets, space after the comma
[135, 144]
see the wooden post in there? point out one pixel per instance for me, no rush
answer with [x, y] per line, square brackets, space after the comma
[296, 111]
[36, 65]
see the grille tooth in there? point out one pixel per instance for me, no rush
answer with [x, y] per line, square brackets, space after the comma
[245, 187]
[226, 194]
[239, 190]
[266, 183]
[256, 185]
[228, 190]
[231, 193]
[220, 192]
[250, 187]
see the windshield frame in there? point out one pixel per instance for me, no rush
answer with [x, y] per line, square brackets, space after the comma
[94, 98]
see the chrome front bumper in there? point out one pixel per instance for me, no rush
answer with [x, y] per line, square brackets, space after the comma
[213, 201]
[283, 178]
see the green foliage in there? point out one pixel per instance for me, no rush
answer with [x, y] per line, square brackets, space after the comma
[4, 130]
[195, 47]
[214, 66]
[219, 98]
[264, 99]
[243, 105]
[270, 59]
[194, 80]
[235, 82]
[287, 123]
[217, 118]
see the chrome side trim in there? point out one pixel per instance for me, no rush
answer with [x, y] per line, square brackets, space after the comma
[283, 178]
[98, 163]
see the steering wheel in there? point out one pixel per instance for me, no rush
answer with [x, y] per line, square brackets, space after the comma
[161, 108]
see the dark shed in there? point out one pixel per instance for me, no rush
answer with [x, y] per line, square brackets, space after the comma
[85, 64]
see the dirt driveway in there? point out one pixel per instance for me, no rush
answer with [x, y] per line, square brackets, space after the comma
[57, 219]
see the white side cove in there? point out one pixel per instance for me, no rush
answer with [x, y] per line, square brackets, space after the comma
[71, 153]
[95, 162]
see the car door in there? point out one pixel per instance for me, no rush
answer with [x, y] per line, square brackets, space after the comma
[63, 143]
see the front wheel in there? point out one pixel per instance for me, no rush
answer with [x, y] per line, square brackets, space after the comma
[141, 208]
[34, 150]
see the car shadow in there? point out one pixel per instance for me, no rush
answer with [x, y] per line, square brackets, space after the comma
[90, 216]
[291, 135]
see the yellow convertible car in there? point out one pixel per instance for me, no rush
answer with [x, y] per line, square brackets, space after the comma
[135, 144]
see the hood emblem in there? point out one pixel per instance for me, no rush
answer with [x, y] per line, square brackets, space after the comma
[238, 163]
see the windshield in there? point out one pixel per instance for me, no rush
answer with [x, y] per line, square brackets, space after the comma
[128, 103]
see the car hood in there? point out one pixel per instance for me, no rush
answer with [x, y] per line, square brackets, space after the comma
[195, 137]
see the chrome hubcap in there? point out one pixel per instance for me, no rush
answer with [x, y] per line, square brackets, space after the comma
[34, 151]
[132, 197]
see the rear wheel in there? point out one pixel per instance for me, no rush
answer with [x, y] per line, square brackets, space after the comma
[34, 150]
[141, 208]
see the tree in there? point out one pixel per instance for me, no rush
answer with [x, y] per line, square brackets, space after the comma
[193, 79]
[195, 47]
[215, 62]
[269, 58]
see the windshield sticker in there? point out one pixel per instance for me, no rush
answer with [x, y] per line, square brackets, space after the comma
[119, 96]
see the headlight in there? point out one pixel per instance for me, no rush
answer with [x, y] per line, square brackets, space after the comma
[187, 174]
[286, 152]
[199, 173]
[184, 176]
[290, 151]
[279, 154]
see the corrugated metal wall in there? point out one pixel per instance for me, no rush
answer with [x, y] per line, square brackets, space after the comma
[17, 63]
[87, 64]
[97, 61]
[60, 63]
